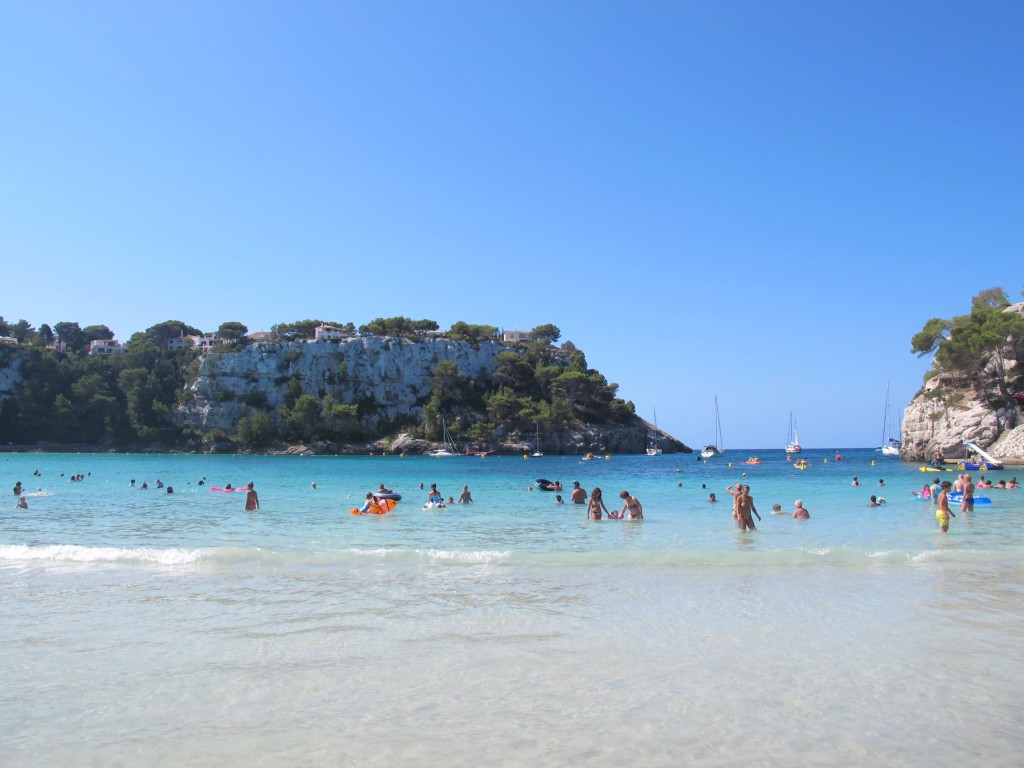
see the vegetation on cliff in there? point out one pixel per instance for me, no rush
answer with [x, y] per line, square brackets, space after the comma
[65, 395]
[979, 350]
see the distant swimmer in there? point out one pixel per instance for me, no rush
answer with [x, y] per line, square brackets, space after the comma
[801, 513]
[170, 489]
[381, 489]
[252, 499]
[712, 499]
[855, 481]
[434, 496]
[777, 509]
[465, 497]
[22, 503]
[559, 500]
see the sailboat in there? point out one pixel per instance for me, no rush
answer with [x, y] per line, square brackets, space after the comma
[890, 445]
[449, 445]
[716, 448]
[793, 446]
[655, 450]
[537, 452]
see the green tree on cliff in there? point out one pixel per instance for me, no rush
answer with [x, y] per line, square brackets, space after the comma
[975, 346]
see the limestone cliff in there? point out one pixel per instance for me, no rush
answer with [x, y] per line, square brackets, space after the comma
[390, 379]
[950, 409]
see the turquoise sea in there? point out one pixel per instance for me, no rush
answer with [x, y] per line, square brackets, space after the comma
[142, 628]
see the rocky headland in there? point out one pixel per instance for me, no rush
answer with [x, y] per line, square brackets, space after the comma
[984, 408]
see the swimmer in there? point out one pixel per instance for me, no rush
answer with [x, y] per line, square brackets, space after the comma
[873, 502]
[801, 513]
[170, 489]
[465, 497]
[855, 481]
[578, 495]
[777, 509]
[22, 503]
[366, 504]
[943, 513]
[252, 499]
[313, 486]
[596, 505]
[558, 500]
[712, 499]
[631, 505]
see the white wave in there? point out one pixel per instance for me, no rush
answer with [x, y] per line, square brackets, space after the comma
[74, 553]
[816, 550]
[483, 556]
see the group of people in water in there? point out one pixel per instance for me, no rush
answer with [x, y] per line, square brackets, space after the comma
[632, 509]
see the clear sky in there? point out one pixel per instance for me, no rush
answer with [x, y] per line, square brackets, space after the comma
[759, 200]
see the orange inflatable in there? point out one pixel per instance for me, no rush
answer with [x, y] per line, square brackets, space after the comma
[379, 507]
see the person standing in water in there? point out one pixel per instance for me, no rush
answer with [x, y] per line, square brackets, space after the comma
[252, 499]
[596, 505]
[943, 513]
[632, 505]
[967, 502]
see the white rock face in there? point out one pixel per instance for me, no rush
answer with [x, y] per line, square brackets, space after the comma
[944, 423]
[395, 375]
[929, 424]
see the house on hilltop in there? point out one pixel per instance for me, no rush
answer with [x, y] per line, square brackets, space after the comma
[194, 342]
[516, 336]
[331, 333]
[105, 347]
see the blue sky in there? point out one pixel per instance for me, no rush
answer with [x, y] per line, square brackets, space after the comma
[762, 201]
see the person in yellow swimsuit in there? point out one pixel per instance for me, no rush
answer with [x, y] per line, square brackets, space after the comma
[943, 513]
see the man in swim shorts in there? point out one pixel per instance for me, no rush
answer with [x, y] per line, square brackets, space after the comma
[943, 513]
[579, 495]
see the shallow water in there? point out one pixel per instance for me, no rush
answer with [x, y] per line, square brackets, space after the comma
[138, 628]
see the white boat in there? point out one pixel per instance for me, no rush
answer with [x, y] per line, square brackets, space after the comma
[890, 445]
[716, 448]
[655, 450]
[449, 445]
[793, 445]
[537, 451]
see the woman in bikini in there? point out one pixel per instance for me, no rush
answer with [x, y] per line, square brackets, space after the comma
[596, 505]
[631, 505]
